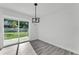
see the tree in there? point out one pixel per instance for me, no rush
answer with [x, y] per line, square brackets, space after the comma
[14, 24]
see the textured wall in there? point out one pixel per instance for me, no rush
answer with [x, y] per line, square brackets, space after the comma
[61, 27]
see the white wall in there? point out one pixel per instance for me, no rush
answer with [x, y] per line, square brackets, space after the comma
[1, 30]
[61, 27]
[4, 12]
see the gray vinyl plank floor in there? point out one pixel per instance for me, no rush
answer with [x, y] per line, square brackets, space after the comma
[24, 49]
[43, 48]
[35, 47]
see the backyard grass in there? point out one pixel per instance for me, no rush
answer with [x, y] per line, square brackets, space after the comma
[12, 35]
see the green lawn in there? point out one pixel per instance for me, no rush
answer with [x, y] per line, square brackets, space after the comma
[12, 35]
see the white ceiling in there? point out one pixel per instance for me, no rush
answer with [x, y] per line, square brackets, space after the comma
[28, 8]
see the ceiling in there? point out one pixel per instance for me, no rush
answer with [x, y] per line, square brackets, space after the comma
[28, 8]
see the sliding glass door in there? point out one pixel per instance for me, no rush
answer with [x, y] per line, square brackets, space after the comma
[15, 31]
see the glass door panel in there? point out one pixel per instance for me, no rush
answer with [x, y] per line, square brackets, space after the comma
[23, 30]
[10, 31]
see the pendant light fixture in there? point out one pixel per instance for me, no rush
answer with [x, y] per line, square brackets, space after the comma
[35, 19]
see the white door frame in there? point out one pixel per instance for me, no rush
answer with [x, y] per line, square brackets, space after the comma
[18, 19]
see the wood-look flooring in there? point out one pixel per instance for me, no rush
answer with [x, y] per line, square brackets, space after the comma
[43, 48]
[35, 47]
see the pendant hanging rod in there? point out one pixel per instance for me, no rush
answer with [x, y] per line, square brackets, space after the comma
[35, 9]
